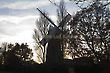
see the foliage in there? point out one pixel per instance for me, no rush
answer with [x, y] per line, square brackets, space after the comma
[15, 55]
[90, 32]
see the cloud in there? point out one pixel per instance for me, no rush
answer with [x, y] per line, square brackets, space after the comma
[26, 4]
[6, 28]
[21, 7]
[17, 12]
[17, 29]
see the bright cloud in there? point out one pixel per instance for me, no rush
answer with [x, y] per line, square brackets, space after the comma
[17, 29]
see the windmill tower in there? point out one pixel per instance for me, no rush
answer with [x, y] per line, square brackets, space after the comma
[54, 50]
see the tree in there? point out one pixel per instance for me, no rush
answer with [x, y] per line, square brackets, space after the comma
[61, 11]
[92, 27]
[23, 52]
[15, 55]
[82, 33]
[42, 27]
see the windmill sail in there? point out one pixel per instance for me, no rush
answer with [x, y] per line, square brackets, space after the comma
[55, 30]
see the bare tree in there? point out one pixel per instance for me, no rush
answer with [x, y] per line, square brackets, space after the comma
[40, 31]
[61, 11]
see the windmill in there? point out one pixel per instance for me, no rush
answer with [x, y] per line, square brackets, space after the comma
[54, 53]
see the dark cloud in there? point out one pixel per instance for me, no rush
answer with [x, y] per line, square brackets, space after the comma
[9, 11]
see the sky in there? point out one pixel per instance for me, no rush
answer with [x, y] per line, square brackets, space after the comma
[18, 17]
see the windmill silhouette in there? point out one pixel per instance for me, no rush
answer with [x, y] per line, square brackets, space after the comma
[54, 52]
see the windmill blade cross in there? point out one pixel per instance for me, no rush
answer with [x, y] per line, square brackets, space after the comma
[55, 30]
[65, 20]
[46, 17]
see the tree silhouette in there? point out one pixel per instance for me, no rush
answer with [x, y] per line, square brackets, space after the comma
[91, 29]
[23, 52]
[41, 30]
[13, 56]
[61, 13]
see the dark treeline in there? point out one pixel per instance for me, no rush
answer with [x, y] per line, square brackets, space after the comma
[14, 56]
[17, 58]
